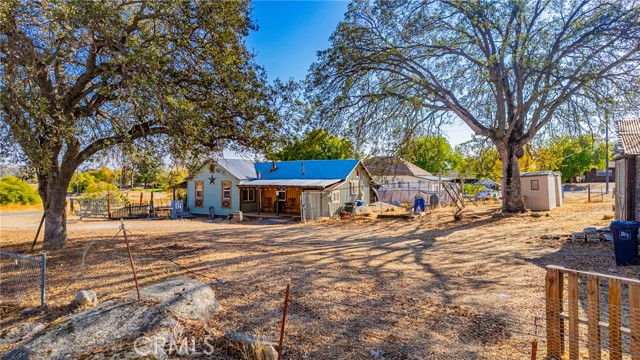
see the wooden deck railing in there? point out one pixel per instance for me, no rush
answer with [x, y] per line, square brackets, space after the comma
[615, 308]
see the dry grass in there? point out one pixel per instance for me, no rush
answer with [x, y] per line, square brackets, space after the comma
[433, 288]
[20, 208]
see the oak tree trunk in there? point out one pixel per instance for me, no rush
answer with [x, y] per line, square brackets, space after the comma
[510, 154]
[52, 187]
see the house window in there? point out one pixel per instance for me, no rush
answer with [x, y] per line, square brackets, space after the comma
[199, 194]
[248, 195]
[226, 190]
[282, 195]
[353, 187]
[212, 168]
[226, 195]
[335, 196]
[535, 185]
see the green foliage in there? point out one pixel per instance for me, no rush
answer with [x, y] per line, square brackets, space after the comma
[16, 191]
[473, 189]
[316, 145]
[432, 153]
[571, 155]
[478, 158]
[80, 182]
[171, 179]
[104, 174]
[148, 165]
[100, 187]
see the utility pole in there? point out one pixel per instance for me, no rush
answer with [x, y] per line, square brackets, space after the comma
[606, 153]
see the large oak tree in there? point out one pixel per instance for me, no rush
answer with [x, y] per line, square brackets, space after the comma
[506, 68]
[79, 77]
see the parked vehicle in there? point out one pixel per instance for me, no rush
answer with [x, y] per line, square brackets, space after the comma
[488, 194]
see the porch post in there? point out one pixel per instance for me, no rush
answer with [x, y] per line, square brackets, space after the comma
[259, 199]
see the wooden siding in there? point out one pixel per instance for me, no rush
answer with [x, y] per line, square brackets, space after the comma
[213, 192]
[331, 209]
[268, 199]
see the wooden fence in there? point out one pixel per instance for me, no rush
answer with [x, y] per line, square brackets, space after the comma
[110, 209]
[610, 322]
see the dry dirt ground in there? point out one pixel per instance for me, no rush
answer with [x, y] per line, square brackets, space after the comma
[429, 289]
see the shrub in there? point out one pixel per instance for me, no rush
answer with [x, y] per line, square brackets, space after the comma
[16, 191]
[473, 189]
[100, 186]
[81, 182]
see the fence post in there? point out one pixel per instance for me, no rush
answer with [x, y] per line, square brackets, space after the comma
[634, 320]
[589, 193]
[284, 319]
[108, 206]
[615, 320]
[574, 335]
[555, 327]
[43, 279]
[593, 314]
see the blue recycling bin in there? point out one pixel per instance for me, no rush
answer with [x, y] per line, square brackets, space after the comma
[625, 241]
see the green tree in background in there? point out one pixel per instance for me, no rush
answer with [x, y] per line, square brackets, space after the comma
[317, 144]
[16, 191]
[572, 156]
[478, 159]
[104, 174]
[432, 153]
[80, 182]
[148, 165]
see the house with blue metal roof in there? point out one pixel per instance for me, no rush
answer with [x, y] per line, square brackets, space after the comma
[308, 189]
[214, 191]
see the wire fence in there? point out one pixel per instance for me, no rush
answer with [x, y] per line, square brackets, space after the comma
[587, 193]
[352, 319]
[22, 279]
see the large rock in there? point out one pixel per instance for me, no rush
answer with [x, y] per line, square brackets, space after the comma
[86, 298]
[251, 346]
[116, 324]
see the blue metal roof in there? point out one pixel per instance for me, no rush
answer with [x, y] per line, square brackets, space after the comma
[313, 169]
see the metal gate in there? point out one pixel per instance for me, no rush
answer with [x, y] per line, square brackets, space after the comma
[311, 203]
[93, 208]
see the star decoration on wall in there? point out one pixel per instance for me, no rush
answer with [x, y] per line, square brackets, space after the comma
[212, 180]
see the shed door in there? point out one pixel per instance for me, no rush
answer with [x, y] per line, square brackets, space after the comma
[619, 190]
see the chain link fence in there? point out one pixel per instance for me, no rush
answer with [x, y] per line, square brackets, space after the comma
[22, 279]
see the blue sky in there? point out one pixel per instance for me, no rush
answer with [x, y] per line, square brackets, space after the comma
[290, 34]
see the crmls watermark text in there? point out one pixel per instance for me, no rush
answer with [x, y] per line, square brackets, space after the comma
[170, 345]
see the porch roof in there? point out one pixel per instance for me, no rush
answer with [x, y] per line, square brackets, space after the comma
[288, 182]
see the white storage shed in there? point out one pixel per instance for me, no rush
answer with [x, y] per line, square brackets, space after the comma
[542, 190]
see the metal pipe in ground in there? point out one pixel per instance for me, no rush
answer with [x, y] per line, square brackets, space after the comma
[284, 319]
[43, 279]
[133, 267]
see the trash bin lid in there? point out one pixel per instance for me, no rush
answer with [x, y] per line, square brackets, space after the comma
[617, 224]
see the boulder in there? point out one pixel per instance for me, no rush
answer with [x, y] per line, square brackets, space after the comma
[116, 324]
[251, 346]
[86, 298]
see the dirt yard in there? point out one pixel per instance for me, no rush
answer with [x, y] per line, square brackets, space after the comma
[430, 289]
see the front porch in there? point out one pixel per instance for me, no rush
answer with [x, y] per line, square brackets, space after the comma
[274, 202]
[270, 216]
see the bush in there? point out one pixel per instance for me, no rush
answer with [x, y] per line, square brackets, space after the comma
[16, 191]
[81, 182]
[473, 189]
[100, 186]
